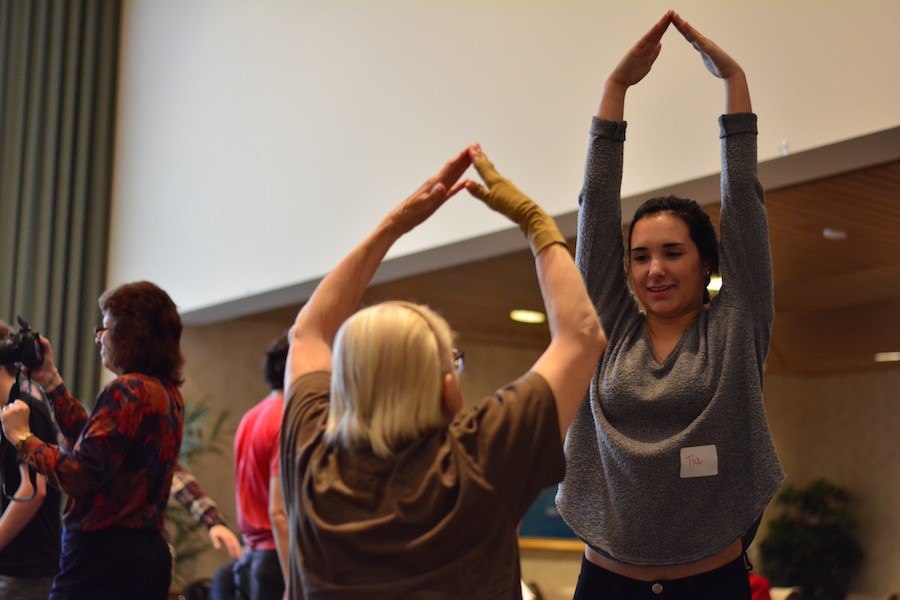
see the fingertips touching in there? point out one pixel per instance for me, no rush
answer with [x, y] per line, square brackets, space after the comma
[684, 28]
[666, 19]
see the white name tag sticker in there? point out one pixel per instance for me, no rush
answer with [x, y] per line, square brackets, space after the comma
[699, 461]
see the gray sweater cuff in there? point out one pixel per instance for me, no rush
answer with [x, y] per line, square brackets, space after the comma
[733, 123]
[611, 130]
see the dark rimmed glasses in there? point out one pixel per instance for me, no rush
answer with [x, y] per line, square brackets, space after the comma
[459, 360]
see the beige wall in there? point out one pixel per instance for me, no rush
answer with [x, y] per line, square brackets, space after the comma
[844, 428]
[236, 118]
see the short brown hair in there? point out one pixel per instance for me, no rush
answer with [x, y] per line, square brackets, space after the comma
[145, 331]
[276, 362]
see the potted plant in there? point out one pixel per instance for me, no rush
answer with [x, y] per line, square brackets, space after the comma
[188, 537]
[812, 542]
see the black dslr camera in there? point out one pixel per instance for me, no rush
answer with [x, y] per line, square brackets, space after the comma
[23, 347]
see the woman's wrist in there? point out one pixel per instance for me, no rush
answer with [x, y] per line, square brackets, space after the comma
[612, 101]
[21, 438]
[737, 93]
[52, 382]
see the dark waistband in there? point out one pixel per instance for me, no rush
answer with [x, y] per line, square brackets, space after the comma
[707, 580]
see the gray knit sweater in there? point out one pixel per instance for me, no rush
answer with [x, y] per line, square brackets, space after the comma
[642, 484]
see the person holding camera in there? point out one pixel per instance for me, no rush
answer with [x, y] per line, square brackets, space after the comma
[30, 523]
[392, 489]
[116, 463]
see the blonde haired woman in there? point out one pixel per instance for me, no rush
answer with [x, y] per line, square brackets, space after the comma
[388, 414]
[392, 490]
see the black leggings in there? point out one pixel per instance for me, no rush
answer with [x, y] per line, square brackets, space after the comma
[728, 582]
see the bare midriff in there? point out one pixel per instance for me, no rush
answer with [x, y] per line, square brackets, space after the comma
[666, 572]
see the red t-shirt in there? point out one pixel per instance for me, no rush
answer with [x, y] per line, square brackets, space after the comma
[255, 463]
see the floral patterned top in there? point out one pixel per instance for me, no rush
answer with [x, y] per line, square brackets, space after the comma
[116, 463]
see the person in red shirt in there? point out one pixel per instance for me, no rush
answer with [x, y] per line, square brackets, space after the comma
[260, 572]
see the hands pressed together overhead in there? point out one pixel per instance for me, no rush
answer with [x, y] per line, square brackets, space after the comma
[716, 60]
[500, 195]
[637, 62]
[639, 59]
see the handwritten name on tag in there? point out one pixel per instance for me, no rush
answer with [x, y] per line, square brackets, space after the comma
[699, 461]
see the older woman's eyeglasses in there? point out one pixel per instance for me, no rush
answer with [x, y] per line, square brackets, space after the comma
[98, 331]
[459, 362]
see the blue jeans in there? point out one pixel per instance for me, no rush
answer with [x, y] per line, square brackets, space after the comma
[255, 576]
[728, 582]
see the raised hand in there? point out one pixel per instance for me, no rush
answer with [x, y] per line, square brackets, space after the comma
[504, 197]
[715, 59]
[45, 373]
[430, 195]
[637, 62]
[633, 67]
[720, 64]
[338, 295]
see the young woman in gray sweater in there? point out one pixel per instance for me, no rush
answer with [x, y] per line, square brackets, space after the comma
[670, 464]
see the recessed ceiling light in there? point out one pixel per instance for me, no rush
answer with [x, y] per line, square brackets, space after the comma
[887, 356]
[831, 233]
[527, 316]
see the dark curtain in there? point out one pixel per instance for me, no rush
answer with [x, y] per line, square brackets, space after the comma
[57, 109]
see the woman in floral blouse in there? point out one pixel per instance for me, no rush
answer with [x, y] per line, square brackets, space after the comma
[116, 462]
